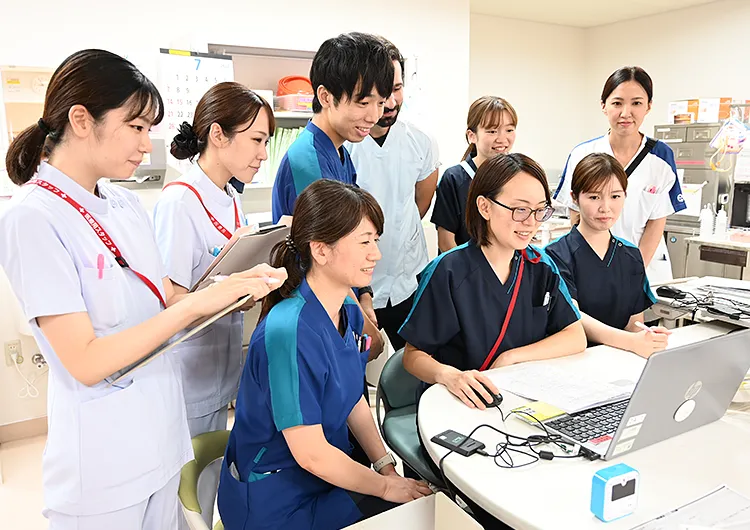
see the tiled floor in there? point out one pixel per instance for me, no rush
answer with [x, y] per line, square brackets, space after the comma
[21, 491]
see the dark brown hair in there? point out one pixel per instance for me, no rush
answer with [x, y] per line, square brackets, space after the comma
[325, 211]
[594, 171]
[229, 104]
[628, 73]
[491, 176]
[97, 79]
[395, 54]
[487, 112]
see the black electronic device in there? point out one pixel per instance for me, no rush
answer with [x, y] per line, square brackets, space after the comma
[458, 443]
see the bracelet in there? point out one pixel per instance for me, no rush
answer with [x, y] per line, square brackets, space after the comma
[388, 459]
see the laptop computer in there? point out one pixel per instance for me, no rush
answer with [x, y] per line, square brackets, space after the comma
[679, 390]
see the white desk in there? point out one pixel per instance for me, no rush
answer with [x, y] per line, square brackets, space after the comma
[556, 494]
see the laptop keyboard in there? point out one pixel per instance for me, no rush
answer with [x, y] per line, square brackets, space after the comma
[590, 424]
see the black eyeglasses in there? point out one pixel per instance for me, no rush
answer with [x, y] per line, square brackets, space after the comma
[521, 213]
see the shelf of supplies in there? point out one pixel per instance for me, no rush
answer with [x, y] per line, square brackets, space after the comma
[291, 114]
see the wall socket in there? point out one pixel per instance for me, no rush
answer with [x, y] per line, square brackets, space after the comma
[12, 347]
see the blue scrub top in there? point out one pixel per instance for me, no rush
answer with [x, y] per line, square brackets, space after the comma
[312, 156]
[612, 289]
[299, 371]
[449, 211]
[460, 306]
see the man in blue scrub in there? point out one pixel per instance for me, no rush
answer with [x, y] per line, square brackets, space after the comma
[352, 76]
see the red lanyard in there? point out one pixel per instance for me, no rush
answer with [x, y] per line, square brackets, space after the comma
[226, 233]
[99, 230]
[509, 313]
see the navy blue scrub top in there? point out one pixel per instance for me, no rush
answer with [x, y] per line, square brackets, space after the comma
[460, 306]
[612, 289]
[449, 211]
[299, 371]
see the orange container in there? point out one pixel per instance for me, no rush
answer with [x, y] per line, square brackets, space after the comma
[294, 84]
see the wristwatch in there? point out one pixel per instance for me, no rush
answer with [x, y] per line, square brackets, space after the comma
[363, 290]
[388, 459]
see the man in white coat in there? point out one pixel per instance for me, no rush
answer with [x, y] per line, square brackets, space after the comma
[397, 163]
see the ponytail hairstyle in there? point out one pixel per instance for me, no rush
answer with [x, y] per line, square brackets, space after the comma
[487, 112]
[326, 211]
[97, 79]
[229, 104]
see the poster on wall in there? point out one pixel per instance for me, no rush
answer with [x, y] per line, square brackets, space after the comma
[184, 77]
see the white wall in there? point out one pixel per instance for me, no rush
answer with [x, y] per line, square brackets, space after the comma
[696, 52]
[539, 69]
[437, 31]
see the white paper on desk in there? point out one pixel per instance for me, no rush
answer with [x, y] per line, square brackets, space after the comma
[722, 508]
[565, 389]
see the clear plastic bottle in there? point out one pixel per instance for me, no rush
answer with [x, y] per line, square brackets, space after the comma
[720, 225]
[706, 222]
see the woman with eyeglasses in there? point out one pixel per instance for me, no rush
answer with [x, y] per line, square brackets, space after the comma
[496, 300]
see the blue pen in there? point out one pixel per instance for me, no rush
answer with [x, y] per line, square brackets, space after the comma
[215, 251]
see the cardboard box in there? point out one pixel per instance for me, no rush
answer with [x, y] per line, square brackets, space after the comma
[701, 110]
[436, 512]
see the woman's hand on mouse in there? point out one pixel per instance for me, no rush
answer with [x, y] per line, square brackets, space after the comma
[466, 385]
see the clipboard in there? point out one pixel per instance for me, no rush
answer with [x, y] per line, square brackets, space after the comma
[124, 372]
[243, 253]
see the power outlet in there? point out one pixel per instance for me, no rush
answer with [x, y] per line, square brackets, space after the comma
[12, 347]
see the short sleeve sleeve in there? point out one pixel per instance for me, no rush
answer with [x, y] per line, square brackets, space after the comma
[565, 266]
[284, 195]
[670, 196]
[562, 194]
[297, 372]
[645, 297]
[433, 320]
[431, 158]
[175, 236]
[446, 212]
[39, 267]
[562, 312]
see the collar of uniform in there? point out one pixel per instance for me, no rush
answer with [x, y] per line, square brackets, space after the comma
[578, 240]
[208, 189]
[470, 160]
[393, 130]
[326, 142]
[94, 204]
[475, 251]
[609, 150]
[307, 293]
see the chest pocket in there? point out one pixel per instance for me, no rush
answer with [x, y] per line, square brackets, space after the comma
[104, 298]
[647, 202]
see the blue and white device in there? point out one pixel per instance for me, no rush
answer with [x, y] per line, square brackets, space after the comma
[614, 492]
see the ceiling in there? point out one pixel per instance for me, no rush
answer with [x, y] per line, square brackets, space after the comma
[579, 13]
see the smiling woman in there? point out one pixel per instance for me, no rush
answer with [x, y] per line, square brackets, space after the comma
[288, 463]
[495, 300]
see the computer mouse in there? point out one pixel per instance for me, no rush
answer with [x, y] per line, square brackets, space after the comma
[667, 291]
[496, 399]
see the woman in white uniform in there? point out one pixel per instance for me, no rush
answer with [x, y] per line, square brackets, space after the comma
[82, 259]
[653, 188]
[196, 214]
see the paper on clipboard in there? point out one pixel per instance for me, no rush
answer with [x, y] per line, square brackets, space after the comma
[242, 253]
[120, 374]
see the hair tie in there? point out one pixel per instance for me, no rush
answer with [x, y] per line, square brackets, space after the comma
[186, 138]
[290, 244]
